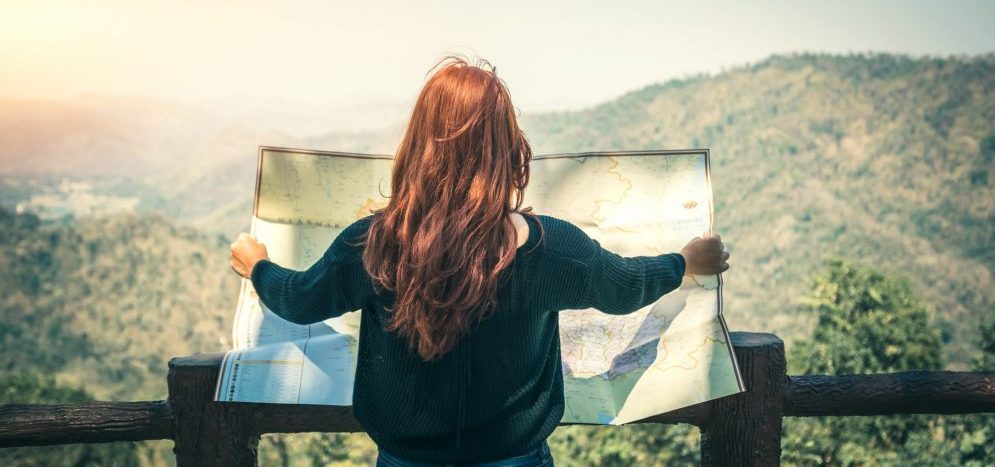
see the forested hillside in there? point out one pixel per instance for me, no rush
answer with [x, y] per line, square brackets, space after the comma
[96, 309]
[107, 302]
[883, 159]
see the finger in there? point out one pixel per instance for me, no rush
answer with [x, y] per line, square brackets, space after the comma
[718, 238]
[725, 255]
[724, 267]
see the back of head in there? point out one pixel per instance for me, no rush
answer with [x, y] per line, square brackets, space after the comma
[445, 235]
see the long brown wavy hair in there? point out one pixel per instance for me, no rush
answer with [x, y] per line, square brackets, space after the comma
[445, 235]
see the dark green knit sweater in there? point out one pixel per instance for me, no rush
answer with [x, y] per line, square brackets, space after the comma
[500, 392]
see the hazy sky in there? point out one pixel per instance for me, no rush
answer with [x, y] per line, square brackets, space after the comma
[552, 54]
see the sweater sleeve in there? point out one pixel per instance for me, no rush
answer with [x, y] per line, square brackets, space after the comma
[618, 284]
[329, 288]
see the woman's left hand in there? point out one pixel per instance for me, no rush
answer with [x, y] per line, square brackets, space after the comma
[245, 253]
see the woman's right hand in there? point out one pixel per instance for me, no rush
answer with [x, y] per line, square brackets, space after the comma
[705, 256]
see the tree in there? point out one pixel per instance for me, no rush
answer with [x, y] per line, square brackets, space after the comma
[986, 361]
[978, 443]
[868, 322]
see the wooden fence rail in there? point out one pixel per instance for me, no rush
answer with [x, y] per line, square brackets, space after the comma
[744, 429]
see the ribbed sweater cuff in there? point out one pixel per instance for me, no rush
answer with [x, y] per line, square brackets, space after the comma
[258, 271]
[683, 264]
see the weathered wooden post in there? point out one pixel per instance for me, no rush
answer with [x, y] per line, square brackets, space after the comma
[207, 433]
[745, 429]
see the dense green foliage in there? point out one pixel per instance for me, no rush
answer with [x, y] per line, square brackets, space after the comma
[625, 445]
[986, 358]
[868, 323]
[106, 302]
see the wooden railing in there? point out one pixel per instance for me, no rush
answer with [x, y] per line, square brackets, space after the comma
[744, 429]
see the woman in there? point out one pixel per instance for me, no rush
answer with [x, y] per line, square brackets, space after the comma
[460, 288]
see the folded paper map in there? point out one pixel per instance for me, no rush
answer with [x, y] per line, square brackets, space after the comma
[616, 368]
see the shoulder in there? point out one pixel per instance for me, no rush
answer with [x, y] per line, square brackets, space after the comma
[565, 240]
[352, 237]
[359, 227]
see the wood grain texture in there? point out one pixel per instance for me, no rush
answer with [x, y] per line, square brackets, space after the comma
[745, 429]
[914, 392]
[207, 433]
[91, 422]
